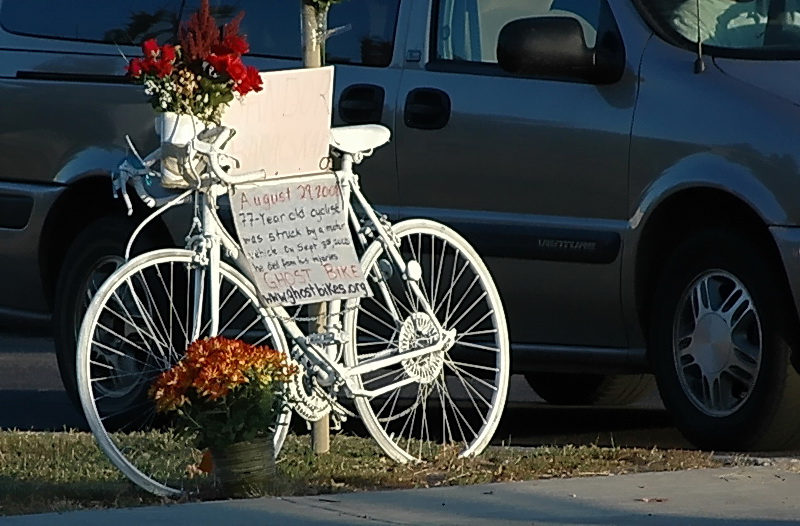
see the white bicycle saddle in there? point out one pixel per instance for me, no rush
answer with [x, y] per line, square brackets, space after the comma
[359, 138]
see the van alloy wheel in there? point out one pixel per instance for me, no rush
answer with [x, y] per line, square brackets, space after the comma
[717, 343]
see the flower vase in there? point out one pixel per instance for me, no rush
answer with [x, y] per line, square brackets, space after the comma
[176, 130]
[245, 469]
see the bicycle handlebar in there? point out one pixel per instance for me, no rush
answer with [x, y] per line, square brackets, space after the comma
[209, 144]
[139, 172]
[212, 150]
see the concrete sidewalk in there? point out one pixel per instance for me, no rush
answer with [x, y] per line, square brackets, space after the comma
[736, 496]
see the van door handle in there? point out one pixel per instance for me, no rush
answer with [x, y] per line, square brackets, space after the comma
[427, 109]
[362, 104]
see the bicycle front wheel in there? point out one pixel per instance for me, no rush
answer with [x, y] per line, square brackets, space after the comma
[139, 324]
[451, 396]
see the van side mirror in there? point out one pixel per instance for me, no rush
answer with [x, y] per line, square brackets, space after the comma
[554, 47]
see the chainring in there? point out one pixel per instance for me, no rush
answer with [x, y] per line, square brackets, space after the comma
[310, 400]
[306, 398]
[418, 330]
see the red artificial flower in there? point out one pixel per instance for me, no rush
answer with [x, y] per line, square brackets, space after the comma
[168, 53]
[150, 47]
[243, 87]
[219, 63]
[236, 44]
[134, 67]
[221, 49]
[251, 82]
[254, 78]
[203, 49]
[199, 34]
[236, 70]
[163, 68]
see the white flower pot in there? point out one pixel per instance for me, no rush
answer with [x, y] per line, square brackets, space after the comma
[178, 128]
[176, 131]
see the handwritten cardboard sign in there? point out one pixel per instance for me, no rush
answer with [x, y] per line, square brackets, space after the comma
[295, 235]
[284, 128]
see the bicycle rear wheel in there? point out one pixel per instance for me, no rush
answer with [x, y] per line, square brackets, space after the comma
[139, 324]
[453, 396]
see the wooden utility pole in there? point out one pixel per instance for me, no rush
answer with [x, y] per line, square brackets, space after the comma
[320, 429]
[315, 27]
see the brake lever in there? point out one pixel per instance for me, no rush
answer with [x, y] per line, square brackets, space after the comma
[119, 183]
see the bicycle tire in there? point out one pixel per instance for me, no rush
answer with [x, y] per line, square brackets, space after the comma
[406, 421]
[139, 324]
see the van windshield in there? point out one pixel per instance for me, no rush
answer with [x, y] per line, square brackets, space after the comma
[761, 26]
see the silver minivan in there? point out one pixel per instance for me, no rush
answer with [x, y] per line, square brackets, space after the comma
[635, 192]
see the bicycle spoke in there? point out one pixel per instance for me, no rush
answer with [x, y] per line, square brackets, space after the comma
[153, 303]
[448, 323]
[459, 371]
[435, 284]
[477, 346]
[470, 392]
[146, 316]
[394, 374]
[449, 295]
[475, 366]
[473, 392]
[120, 337]
[144, 335]
[457, 413]
[383, 322]
[141, 326]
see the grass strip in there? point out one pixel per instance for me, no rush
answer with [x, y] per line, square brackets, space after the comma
[55, 472]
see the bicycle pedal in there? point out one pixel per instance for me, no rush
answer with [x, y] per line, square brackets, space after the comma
[336, 421]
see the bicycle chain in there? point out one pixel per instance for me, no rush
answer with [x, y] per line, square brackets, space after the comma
[297, 318]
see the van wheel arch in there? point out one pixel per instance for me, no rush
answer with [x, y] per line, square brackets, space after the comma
[676, 219]
[86, 223]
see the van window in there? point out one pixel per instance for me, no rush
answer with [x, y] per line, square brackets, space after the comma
[365, 35]
[467, 30]
[123, 23]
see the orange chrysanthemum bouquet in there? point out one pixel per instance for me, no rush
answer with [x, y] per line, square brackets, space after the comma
[224, 391]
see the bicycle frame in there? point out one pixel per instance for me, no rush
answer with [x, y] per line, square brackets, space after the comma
[422, 277]
[212, 238]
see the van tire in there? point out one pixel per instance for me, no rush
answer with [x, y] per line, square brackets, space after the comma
[98, 248]
[756, 397]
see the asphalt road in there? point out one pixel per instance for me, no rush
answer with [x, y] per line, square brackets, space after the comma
[32, 398]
